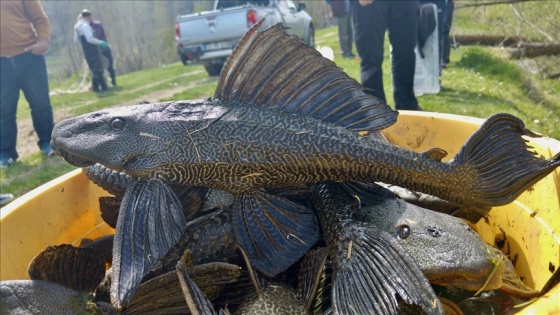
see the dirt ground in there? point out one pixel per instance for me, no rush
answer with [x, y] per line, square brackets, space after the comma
[27, 138]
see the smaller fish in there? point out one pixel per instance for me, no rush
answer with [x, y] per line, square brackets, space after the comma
[209, 238]
[42, 297]
[447, 250]
[281, 298]
[80, 269]
[164, 295]
[275, 298]
[372, 273]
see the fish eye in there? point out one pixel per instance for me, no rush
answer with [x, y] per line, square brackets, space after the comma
[117, 124]
[403, 231]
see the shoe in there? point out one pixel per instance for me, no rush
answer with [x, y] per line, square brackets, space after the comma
[5, 199]
[46, 149]
[348, 56]
[5, 162]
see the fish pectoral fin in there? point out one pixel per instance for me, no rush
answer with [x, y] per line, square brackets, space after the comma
[373, 272]
[197, 302]
[435, 154]
[150, 222]
[273, 231]
[310, 273]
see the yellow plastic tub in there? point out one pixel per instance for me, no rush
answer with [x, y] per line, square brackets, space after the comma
[66, 210]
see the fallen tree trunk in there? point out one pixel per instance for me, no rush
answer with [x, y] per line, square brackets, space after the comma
[487, 40]
[516, 47]
[486, 3]
[532, 50]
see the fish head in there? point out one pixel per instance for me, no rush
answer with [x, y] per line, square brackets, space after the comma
[132, 139]
[448, 251]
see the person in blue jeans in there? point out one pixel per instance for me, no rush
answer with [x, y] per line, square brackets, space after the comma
[400, 18]
[24, 38]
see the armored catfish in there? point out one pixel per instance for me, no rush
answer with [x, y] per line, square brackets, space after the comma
[282, 115]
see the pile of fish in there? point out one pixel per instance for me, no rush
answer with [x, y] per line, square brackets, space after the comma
[268, 199]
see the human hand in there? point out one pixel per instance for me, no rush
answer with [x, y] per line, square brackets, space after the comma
[363, 3]
[39, 48]
[103, 44]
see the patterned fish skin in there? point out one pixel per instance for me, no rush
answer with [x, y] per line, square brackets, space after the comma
[243, 148]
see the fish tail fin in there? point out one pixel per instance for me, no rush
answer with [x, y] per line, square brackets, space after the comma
[373, 273]
[503, 164]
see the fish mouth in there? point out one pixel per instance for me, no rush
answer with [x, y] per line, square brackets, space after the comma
[485, 277]
[70, 158]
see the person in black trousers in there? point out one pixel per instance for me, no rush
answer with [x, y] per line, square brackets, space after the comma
[400, 18]
[446, 28]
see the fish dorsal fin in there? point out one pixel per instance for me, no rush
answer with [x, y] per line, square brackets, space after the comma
[279, 71]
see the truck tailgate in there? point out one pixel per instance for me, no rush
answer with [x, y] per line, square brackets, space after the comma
[215, 26]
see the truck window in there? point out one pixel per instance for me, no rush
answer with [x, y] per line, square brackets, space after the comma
[291, 5]
[224, 4]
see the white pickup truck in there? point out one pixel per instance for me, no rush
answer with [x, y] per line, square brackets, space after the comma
[208, 37]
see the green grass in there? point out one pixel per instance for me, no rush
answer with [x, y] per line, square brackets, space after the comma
[478, 83]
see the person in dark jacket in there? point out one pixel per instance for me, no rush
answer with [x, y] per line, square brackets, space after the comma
[371, 19]
[99, 33]
[341, 11]
[91, 48]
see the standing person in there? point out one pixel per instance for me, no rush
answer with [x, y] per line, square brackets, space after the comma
[341, 11]
[371, 19]
[24, 38]
[446, 29]
[91, 48]
[99, 33]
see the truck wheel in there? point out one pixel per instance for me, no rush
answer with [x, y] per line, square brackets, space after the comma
[214, 69]
[183, 59]
[310, 40]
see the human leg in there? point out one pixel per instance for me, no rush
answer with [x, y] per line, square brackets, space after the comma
[35, 87]
[345, 35]
[109, 55]
[9, 96]
[446, 29]
[403, 30]
[369, 34]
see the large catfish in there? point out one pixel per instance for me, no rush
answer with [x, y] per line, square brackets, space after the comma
[282, 115]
